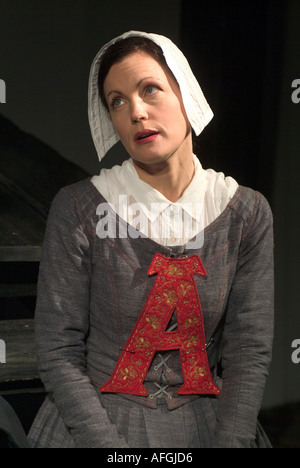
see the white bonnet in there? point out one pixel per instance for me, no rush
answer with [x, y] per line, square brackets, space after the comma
[197, 109]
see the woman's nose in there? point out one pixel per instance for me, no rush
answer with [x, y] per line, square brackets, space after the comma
[138, 111]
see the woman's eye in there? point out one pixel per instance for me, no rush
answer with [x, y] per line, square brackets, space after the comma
[117, 102]
[151, 90]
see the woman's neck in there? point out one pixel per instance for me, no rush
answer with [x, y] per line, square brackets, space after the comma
[170, 178]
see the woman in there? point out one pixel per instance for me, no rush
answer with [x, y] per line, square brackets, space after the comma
[154, 318]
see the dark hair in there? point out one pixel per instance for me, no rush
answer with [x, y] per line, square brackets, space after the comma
[120, 49]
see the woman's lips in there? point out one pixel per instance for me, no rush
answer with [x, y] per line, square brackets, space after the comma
[145, 136]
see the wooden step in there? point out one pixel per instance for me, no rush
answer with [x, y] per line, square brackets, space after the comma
[21, 364]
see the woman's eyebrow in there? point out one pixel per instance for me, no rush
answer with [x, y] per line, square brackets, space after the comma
[146, 78]
[113, 91]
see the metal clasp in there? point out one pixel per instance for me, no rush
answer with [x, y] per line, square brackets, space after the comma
[208, 344]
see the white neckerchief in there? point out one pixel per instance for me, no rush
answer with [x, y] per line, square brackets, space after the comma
[156, 217]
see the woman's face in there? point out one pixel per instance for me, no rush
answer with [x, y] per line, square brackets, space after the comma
[146, 109]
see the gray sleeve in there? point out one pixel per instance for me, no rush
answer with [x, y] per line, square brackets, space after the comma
[248, 333]
[62, 324]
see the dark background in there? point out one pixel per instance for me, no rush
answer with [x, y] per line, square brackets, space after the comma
[245, 55]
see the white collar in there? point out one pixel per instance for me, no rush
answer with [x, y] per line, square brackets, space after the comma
[147, 195]
[210, 188]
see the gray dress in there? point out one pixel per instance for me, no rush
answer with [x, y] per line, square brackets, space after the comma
[91, 293]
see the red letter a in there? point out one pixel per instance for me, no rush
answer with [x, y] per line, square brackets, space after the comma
[174, 287]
